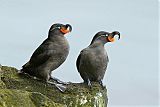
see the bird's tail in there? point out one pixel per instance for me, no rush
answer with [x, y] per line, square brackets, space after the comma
[25, 68]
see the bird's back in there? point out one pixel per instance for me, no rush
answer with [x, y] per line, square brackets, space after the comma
[48, 56]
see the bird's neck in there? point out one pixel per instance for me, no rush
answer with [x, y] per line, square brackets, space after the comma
[55, 34]
[97, 44]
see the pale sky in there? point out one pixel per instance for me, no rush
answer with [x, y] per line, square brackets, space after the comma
[132, 74]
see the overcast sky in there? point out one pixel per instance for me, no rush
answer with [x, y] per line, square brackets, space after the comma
[132, 74]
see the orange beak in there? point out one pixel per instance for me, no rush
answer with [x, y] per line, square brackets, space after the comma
[64, 30]
[111, 39]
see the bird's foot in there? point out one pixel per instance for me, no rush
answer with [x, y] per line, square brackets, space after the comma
[60, 87]
[88, 82]
[59, 81]
[101, 83]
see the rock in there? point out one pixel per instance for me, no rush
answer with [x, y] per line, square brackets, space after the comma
[21, 90]
[0, 67]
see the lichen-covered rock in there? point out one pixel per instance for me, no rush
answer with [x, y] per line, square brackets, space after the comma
[20, 90]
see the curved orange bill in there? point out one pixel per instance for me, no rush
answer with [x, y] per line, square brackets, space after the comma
[111, 39]
[64, 30]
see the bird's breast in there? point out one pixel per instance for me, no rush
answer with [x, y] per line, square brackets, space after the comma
[95, 56]
[59, 51]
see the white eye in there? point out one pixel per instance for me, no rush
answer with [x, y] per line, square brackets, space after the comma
[58, 27]
[107, 35]
[104, 35]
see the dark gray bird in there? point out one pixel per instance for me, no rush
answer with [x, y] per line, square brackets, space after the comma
[93, 60]
[50, 54]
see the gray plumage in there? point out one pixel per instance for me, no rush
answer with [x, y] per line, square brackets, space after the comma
[50, 54]
[93, 60]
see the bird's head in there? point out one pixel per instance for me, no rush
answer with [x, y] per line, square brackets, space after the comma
[105, 36]
[99, 34]
[64, 29]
